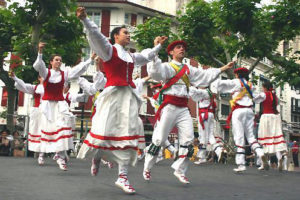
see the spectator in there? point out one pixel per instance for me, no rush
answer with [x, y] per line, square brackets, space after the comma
[17, 145]
[295, 151]
[4, 143]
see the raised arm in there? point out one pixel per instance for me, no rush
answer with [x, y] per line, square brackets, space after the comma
[259, 97]
[39, 64]
[200, 77]
[22, 86]
[147, 55]
[79, 69]
[98, 42]
[92, 88]
[228, 86]
[198, 94]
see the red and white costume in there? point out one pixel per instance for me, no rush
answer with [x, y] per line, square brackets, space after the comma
[242, 120]
[206, 122]
[173, 114]
[114, 133]
[270, 134]
[34, 134]
[56, 128]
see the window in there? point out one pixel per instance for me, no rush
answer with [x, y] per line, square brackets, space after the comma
[127, 19]
[95, 17]
[224, 109]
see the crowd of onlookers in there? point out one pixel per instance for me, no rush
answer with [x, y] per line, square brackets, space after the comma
[12, 144]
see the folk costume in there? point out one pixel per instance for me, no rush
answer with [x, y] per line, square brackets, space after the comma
[56, 131]
[270, 134]
[206, 121]
[242, 117]
[114, 133]
[173, 110]
[34, 134]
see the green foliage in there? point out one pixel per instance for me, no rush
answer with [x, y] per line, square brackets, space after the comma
[221, 30]
[145, 34]
[50, 21]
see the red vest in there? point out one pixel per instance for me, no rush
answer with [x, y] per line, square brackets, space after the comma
[67, 99]
[37, 98]
[54, 91]
[268, 104]
[118, 72]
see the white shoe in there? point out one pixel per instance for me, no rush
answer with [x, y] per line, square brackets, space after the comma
[95, 167]
[181, 177]
[41, 160]
[124, 184]
[200, 161]
[261, 167]
[147, 175]
[62, 164]
[240, 168]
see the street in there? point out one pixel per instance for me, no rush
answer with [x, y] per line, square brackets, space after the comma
[23, 179]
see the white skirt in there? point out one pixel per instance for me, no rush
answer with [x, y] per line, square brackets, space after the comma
[114, 133]
[34, 135]
[270, 134]
[142, 141]
[56, 131]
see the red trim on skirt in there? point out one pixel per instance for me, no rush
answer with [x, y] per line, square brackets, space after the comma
[109, 148]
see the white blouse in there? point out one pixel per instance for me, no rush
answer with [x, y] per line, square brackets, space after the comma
[103, 48]
[91, 88]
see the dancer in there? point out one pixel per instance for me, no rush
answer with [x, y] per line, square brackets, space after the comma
[34, 134]
[270, 134]
[174, 109]
[56, 134]
[206, 113]
[114, 133]
[242, 116]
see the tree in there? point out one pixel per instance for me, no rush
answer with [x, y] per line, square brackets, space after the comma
[145, 34]
[220, 31]
[50, 21]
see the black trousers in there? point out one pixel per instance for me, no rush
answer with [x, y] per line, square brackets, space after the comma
[295, 159]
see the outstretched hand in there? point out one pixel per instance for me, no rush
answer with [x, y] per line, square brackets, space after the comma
[228, 66]
[11, 74]
[41, 46]
[94, 55]
[81, 13]
[160, 40]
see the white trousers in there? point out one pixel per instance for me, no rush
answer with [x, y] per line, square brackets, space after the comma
[206, 135]
[173, 116]
[242, 126]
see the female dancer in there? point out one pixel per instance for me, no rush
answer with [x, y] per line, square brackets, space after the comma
[270, 134]
[34, 134]
[56, 132]
[114, 134]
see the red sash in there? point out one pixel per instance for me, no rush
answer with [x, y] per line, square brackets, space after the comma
[169, 99]
[237, 106]
[171, 82]
[205, 111]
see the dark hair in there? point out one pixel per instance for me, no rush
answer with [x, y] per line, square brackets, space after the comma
[114, 32]
[268, 85]
[51, 59]
[244, 75]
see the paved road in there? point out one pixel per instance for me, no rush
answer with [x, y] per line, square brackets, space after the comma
[23, 179]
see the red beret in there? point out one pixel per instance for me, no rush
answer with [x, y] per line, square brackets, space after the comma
[174, 43]
[241, 69]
